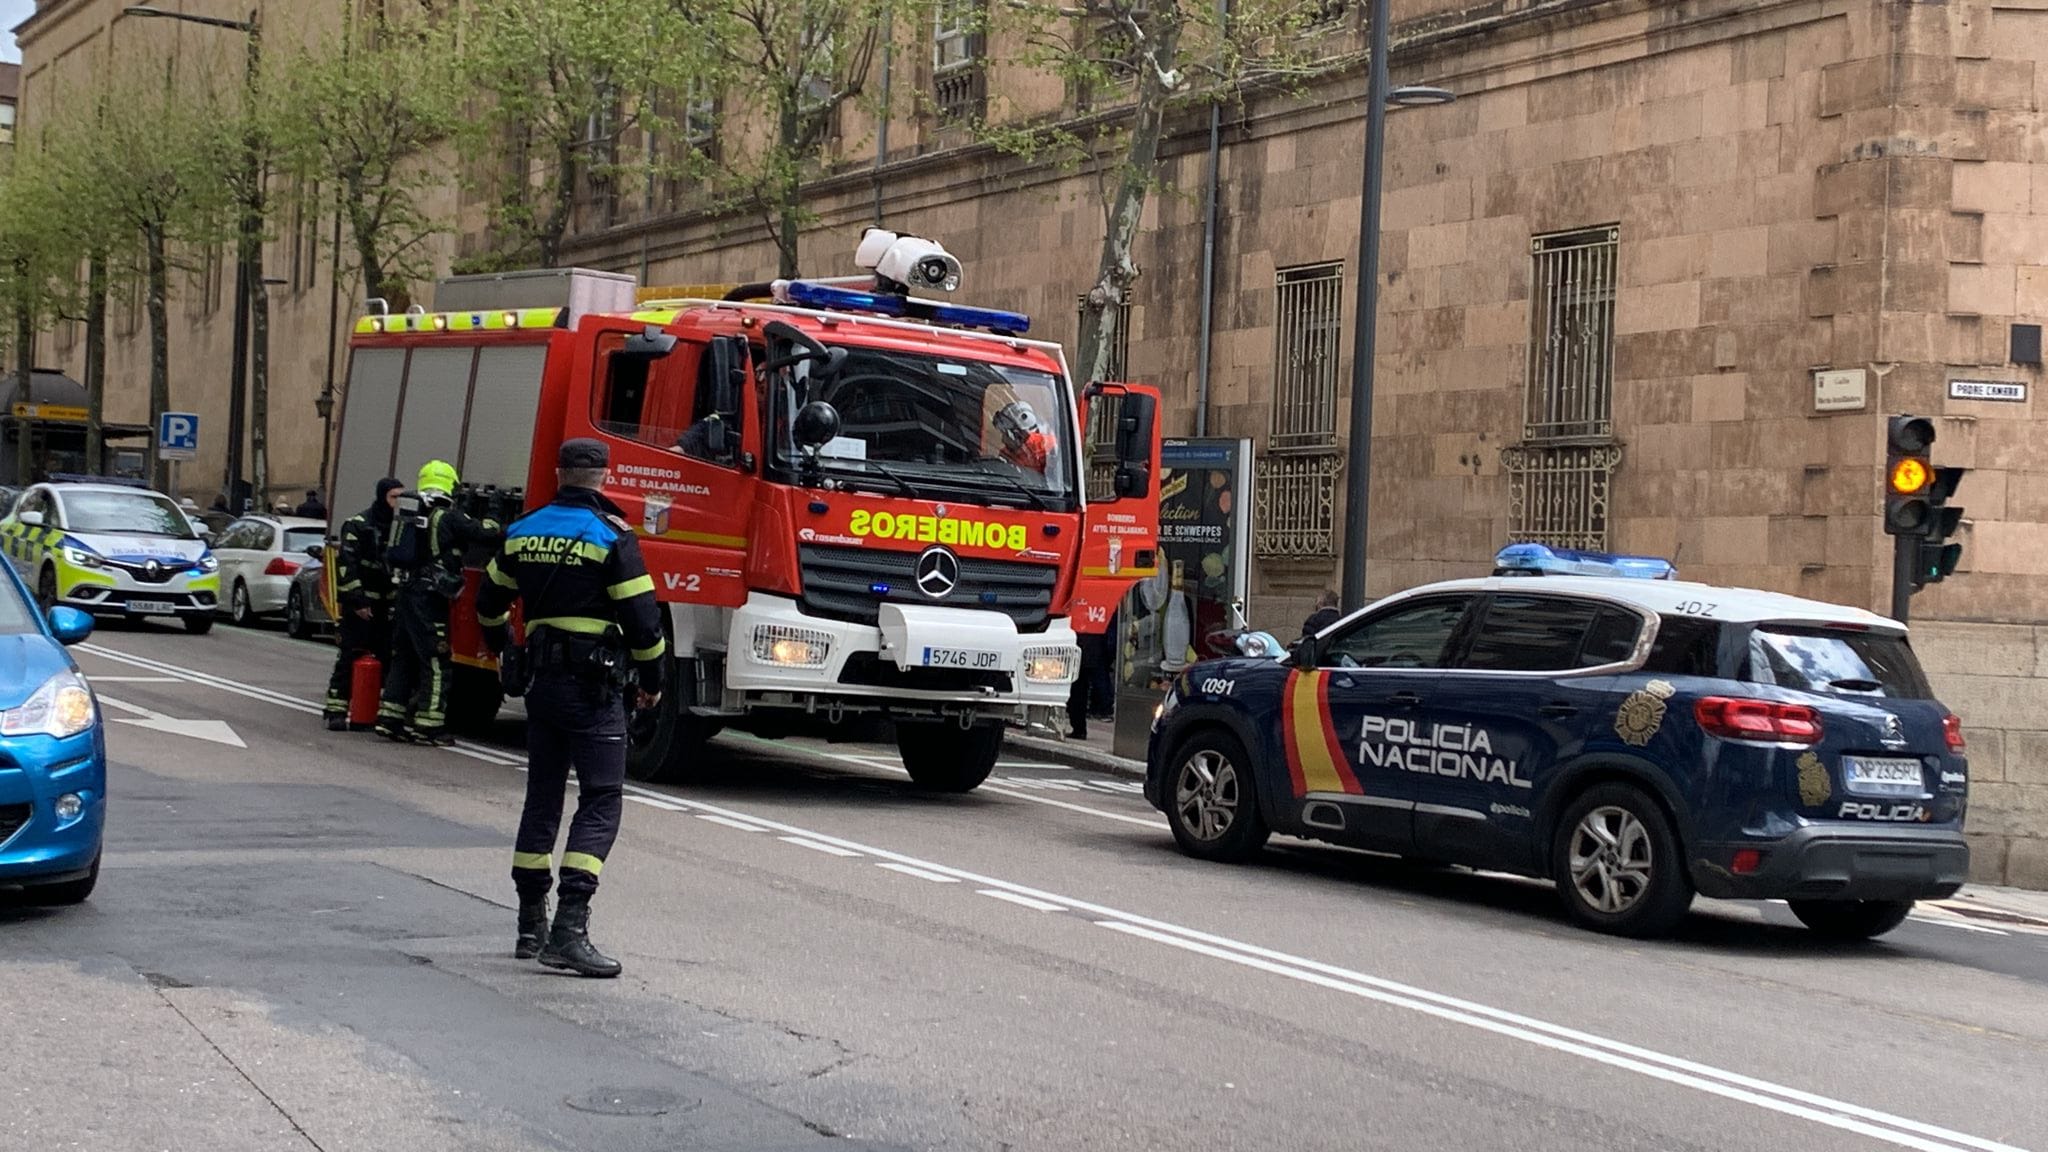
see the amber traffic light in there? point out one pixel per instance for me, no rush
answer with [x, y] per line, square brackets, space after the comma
[1908, 439]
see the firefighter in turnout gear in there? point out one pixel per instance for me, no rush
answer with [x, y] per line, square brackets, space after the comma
[593, 636]
[362, 593]
[428, 538]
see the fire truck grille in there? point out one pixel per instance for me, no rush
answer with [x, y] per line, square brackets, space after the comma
[852, 584]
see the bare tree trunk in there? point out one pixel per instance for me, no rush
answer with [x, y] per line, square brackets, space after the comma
[95, 362]
[158, 296]
[789, 187]
[1117, 271]
[557, 223]
[259, 378]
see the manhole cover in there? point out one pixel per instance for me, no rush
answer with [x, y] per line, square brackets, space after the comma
[631, 1102]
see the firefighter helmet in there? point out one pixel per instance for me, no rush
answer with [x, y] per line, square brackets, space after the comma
[438, 476]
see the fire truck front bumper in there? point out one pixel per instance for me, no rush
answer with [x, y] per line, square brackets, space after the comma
[914, 658]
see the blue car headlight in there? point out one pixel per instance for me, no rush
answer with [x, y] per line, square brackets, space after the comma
[63, 706]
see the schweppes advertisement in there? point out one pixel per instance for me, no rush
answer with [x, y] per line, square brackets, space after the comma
[954, 531]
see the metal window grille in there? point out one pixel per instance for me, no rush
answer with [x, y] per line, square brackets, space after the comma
[959, 79]
[1558, 493]
[1305, 348]
[1296, 498]
[1571, 344]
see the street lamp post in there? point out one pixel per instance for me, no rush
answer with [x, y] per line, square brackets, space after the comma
[248, 257]
[1358, 463]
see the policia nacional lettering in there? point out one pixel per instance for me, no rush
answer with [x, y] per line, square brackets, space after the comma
[1436, 749]
[938, 530]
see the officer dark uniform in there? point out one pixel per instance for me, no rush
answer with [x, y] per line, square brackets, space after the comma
[425, 551]
[362, 590]
[590, 616]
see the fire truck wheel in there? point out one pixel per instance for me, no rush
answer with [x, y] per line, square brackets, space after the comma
[474, 696]
[946, 757]
[668, 747]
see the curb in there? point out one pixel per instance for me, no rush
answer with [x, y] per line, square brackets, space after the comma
[1075, 755]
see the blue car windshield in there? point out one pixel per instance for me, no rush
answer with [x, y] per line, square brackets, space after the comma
[17, 615]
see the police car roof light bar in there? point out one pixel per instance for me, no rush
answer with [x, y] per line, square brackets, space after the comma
[1544, 560]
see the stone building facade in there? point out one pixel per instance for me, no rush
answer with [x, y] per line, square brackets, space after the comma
[1611, 271]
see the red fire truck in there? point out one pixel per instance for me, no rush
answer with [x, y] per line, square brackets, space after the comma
[856, 502]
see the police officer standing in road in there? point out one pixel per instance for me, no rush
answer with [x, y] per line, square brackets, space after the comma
[362, 586]
[429, 536]
[593, 631]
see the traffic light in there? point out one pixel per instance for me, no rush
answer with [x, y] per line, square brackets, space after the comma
[1907, 475]
[1935, 556]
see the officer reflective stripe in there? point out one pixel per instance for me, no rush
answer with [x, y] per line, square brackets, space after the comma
[582, 862]
[533, 861]
[627, 589]
[494, 621]
[498, 577]
[350, 586]
[645, 654]
[586, 625]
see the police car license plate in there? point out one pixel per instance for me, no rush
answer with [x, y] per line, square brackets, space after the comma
[152, 607]
[968, 658]
[1872, 776]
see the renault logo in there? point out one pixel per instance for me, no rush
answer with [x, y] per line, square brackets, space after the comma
[153, 568]
[937, 573]
[1894, 733]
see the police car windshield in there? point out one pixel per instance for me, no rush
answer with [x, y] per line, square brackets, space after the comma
[136, 513]
[1831, 660]
[923, 422]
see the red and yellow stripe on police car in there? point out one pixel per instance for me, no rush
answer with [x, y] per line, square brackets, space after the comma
[1315, 760]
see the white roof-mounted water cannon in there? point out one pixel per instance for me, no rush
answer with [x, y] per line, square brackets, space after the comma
[902, 262]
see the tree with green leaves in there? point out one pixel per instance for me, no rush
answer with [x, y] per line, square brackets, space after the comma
[146, 166]
[39, 260]
[1131, 64]
[794, 64]
[566, 89]
[364, 122]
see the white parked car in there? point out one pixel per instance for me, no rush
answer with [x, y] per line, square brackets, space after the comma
[258, 556]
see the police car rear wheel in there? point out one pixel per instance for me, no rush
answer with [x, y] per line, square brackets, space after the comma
[946, 757]
[1215, 810]
[1852, 919]
[1617, 864]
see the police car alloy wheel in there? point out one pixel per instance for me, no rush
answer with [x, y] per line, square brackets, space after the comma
[1215, 809]
[1618, 864]
[1851, 919]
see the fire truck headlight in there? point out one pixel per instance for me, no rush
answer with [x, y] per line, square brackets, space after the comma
[1051, 665]
[787, 647]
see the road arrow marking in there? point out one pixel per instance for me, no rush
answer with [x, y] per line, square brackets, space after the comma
[214, 730]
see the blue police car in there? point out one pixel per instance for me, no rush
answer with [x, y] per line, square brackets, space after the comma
[1635, 738]
[53, 754]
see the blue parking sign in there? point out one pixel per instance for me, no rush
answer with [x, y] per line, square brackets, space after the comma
[177, 436]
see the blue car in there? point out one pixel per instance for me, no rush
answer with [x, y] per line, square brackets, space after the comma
[1592, 720]
[53, 754]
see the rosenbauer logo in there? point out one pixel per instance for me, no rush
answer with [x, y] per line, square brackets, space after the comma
[938, 530]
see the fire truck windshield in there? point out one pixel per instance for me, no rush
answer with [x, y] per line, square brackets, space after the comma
[928, 426]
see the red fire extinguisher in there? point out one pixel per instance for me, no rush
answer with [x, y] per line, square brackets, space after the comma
[366, 684]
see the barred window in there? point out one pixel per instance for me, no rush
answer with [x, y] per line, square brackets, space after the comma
[959, 78]
[1571, 343]
[1296, 479]
[1558, 493]
[1305, 347]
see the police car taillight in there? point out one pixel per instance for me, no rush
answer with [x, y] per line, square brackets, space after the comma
[1952, 731]
[1764, 721]
[1544, 560]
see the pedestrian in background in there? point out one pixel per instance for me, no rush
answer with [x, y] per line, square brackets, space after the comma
[1326, 614]
[312, 506]
[593, 632]
[362, 591]
[1093, 695]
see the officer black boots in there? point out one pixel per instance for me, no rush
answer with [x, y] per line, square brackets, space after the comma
[533, 929]
[569, 946]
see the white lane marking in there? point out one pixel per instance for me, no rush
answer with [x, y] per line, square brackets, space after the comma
[133, 679]
[204, 678]
[1649, 1062]
[1939, 922]
[216, 731]
[1000, 790]
[817, 845]
[1021, 901]
[652, 803]
[920, 873]
[1539, 1038]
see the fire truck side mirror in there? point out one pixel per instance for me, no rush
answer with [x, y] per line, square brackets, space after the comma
[817, 423]
[1135, 416]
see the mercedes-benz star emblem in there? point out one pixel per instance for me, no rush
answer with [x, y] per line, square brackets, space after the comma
[937, 573]
[1894, 734]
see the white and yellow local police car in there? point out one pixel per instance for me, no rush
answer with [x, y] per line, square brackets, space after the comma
[114, 550]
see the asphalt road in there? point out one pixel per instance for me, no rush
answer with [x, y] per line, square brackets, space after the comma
[302, 940]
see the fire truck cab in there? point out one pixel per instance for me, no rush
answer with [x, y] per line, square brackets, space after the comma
[854, 501]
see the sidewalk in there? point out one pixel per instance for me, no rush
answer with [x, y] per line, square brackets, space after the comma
[1999, 907]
